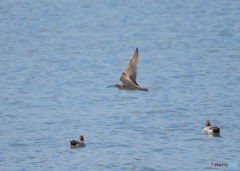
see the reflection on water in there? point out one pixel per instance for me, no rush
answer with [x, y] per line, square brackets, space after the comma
[212, 135]
[74, 146]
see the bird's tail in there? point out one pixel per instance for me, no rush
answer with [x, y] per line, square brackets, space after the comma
[216, 130]
[72, 142]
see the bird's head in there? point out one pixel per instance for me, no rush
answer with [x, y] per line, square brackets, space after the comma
[207, 123]
[81, 138]
[115, 85]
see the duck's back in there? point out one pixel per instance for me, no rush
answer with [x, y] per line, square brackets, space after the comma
[211, 129]
[77, 143]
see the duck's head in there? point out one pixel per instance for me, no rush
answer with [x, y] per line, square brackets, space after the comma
[81, 138]
[207, 123]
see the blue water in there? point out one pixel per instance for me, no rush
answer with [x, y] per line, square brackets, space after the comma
[57, 57]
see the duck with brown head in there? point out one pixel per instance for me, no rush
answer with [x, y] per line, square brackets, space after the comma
[79, 143]
[211, 129]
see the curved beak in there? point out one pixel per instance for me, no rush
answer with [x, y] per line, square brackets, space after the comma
[110, 86]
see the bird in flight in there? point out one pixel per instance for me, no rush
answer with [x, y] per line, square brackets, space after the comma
[129, 78]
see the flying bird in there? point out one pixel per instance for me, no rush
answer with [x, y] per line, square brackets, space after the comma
[129, 79]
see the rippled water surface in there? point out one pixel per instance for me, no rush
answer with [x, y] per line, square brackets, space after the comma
[57, 57]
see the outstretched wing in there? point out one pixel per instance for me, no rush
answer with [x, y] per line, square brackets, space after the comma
[131, 69]
[127, 82]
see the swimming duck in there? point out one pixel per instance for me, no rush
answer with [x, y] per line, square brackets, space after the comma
[79, 143]
[211, 129]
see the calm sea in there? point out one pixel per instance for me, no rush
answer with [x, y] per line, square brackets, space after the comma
[57, 58]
